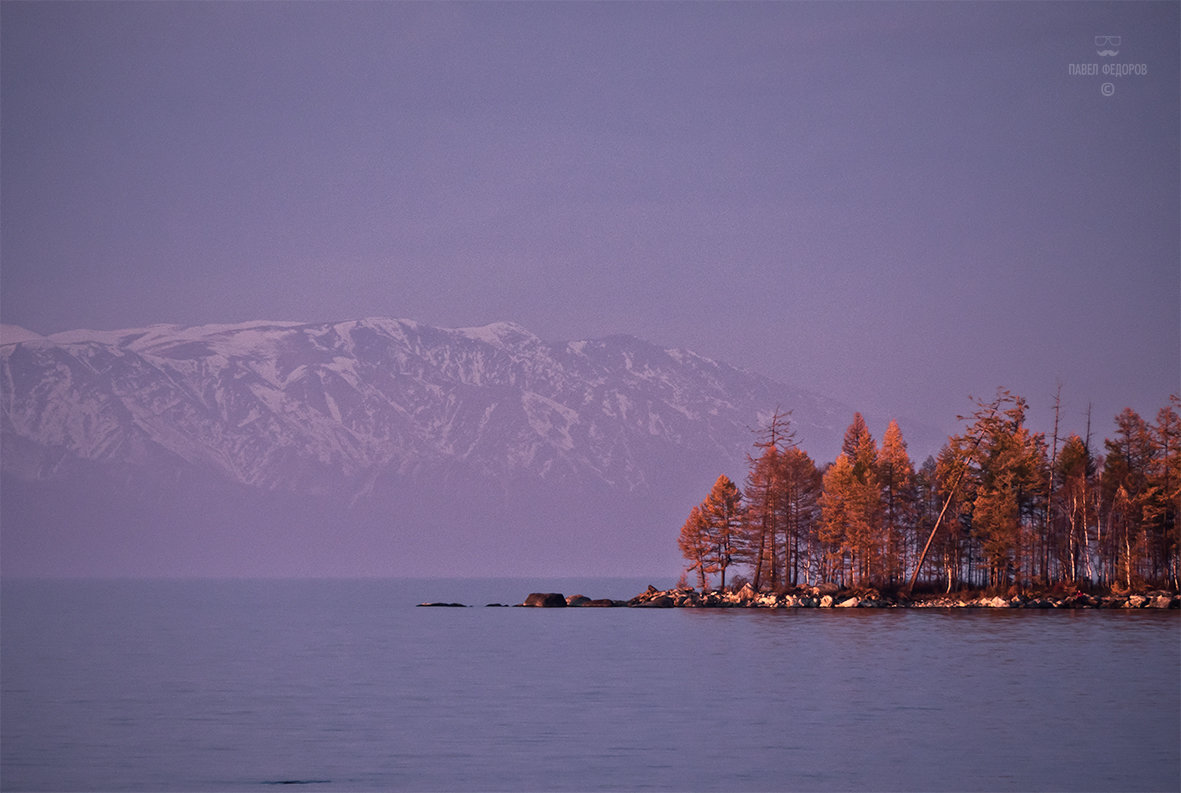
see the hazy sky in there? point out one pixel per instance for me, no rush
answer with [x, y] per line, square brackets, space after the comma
[896, 205]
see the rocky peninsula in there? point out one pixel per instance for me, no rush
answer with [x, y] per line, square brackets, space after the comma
[831, 596]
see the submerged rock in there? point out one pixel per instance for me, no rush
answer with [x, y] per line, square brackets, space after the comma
[442, 605]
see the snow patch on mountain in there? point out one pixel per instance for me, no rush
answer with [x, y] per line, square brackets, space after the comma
[333, 407]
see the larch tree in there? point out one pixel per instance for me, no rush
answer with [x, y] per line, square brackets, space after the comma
[694, 543]
[1072, 512]
[1009, 466]
[1125, 482]
[836, 513]
[763, 526]
[759, 545]
[799, 484]
[1164, 502]
[862, 502]
[850, 521]
[896, 476]
[722, 512]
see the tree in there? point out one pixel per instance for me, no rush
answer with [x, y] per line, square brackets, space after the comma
[759, 544]
[995, 473]
[799, 504]
[777, 433]
[1164, 497]
[710, 534]
[851, 507]
[722, 513]
[850, 522]
[835, 516]
[1009, 466]
[897, 479]
[856, 437]
[1075, 470]
[1130, 457]
[694, 543]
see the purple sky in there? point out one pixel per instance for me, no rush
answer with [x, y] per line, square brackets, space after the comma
[896, 205]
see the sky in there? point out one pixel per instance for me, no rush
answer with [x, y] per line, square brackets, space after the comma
[897, 205]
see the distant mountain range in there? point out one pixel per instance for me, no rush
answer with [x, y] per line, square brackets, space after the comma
[368, 447]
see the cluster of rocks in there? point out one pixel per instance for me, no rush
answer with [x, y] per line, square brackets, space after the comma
[831, 596]
[552, 600]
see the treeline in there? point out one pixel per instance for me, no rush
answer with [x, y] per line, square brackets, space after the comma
[1000, 506]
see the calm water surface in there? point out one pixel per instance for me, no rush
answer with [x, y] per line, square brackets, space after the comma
[344, 685]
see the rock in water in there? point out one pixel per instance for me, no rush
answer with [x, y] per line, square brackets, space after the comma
[545, 600]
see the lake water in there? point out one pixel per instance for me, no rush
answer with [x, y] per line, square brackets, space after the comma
[345, 685]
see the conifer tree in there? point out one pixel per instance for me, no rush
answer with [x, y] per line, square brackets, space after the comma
[857, 500]
[837, 510]
[856, 437]
[1167, 479]
[1130, 457]
[1009, 467]
[759, 545]
[800, 483]
[897, 478]
[694, 543]
[950, 540]
[722, 513]
[1075, 470]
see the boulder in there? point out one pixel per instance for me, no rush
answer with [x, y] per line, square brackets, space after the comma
[826, 588]
[577, 600]
[1160, 602]
[545, 600]
[1135, 601]
[660, 602]
[604, 603]
[850, 603]
[826, 602]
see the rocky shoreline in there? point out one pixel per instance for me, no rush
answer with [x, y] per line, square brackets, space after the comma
[830, 596]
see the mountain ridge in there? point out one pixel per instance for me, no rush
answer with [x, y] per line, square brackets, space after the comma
[378, 415]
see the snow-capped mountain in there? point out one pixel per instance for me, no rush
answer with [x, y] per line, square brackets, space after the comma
[378, 422]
